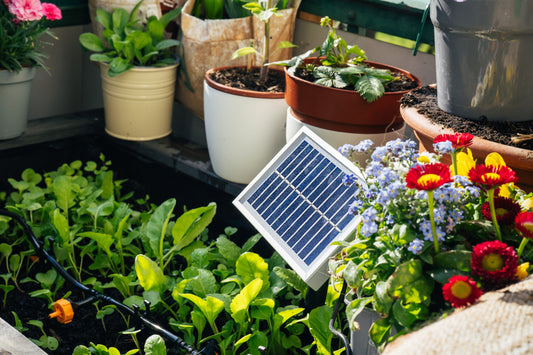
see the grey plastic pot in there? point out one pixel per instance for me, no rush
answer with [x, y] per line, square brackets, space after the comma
[483, 53]
[15, 90]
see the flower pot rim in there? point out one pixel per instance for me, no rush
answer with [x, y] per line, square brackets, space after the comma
[413, 118]
[377, 64]
[238, 91]
[145, 68]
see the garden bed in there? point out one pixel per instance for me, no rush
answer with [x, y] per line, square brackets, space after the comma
[145, 176]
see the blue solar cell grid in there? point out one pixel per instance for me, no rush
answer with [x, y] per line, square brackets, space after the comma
[304, 201]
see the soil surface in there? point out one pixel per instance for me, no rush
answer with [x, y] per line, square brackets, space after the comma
[401, 82]
[239, 77]
[425, 101]
[83, 329]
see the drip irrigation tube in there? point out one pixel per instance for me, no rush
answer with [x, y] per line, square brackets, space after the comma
[208, 350]
[334, 316]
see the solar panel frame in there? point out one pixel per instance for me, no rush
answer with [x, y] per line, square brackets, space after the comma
[299, 175]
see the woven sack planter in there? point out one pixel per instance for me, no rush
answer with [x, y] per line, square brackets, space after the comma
[208, 44]
[499, 323]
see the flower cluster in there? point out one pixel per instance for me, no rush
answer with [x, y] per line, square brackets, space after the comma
[432, 235]
[22, 23]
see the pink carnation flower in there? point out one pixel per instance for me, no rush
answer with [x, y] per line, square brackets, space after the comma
[26, 10]
[51, 11]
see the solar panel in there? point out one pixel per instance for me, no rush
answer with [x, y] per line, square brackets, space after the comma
[300, 205]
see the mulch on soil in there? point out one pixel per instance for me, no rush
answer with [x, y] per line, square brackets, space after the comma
[425, 101]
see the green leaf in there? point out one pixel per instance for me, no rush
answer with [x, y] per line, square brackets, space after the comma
[244, 51]
[213, 9]
[91, 42]
[251, 266]
[62, 227]
[382, 301]
[319, 327]
[104, 18]
[263, 308]
[81, 350]
[228, 249]
[190, 224]
[241, 302]
[63, 189]
[291, 278]
[408, 314]
[380, 330]
[47, 279]
[453, 259]
[167, 43]
[155, 345]
[409, 283]
[210, 307]
[354, 308]
[150, 276]
[155, 228]
[201, 281]
[5, 249]
[329, 77]
[370, 88]
[104, 241]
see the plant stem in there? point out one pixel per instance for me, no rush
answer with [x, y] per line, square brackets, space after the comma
[522, 246]
[454, 162]
[432, 221]
[266, 49]
[490, 195]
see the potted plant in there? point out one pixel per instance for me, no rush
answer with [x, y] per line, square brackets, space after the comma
[21, 52]
[433, 237]
[138, 71]
[486, 86]
[244, 107]
[339, 90]
[211, 31]
[490, 78]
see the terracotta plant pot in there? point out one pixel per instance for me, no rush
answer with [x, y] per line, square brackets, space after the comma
[344, 110]
[518, 159]
[245, 129]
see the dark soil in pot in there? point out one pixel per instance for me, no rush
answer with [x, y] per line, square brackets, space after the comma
[508, 133]
[240, 78]
[401, 82]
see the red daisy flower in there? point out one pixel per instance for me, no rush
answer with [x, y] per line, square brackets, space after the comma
[459, 140]
[489, 176]
[494, 261]
[428, 176]
[461, 291]
[524, 224]
[506, 210]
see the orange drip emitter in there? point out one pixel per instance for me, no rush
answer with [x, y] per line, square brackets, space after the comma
[62, 311]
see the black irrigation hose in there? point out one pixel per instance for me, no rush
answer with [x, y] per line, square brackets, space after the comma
[334, 316]
[96, 295]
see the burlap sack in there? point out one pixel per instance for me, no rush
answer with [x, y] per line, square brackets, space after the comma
[209, 44]
[501, 322]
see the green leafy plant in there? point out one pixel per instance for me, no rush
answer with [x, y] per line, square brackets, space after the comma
[263, 10]
[45, 341]
[207, 289]
[340, 65]
[130, 43]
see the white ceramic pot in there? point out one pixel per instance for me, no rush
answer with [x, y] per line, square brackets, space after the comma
[337, 138]
[244, 129]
